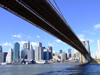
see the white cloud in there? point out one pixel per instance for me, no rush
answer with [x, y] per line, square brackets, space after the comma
[28, 37]
[91, 40]
[34, 44]
[58, 40]
[7, 44]
[82, 38]
[51, 44]
[21, 43]
[97, 26]
[89, 32]
[38, 36]
[18, 36]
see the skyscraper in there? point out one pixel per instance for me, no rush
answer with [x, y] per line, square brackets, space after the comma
[46, 54]
[50, 52]
[16, 50]
[39, 44]
[71, 53]
[9, 56]
[28, 45]
[39, 52]
[60, 51]
[98, 52]
[3, 57]
[0, 48]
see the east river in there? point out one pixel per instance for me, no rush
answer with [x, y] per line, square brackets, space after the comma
[51, 69]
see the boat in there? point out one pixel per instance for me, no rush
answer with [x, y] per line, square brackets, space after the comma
[96, 62]
[42, 62]
[3, 63]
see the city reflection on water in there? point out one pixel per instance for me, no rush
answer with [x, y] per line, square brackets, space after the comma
[51, 69]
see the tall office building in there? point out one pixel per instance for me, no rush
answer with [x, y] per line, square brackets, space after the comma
[16, 51]
[31, 47]
[39, 52]
[98, 52]
[98, 44]
[30, 54]
[46, 54]
[3, 57]
[60, 51]
[28, 45]
[0, 48]
[39, 44]
[71, 53]
[9, 56]
[62, 56]
[50, 52]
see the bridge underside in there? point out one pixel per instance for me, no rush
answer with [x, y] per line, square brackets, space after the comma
[42, 14]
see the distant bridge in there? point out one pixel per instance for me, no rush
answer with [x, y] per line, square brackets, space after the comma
[43, 15]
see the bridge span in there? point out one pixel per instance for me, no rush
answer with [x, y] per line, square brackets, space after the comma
[43, 15]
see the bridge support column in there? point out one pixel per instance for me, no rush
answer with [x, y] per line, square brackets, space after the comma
[84, 58]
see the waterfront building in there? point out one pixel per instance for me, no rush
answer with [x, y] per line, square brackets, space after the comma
[16, 51]
[62, 56]
[60, 51]
[33, 54]
[71, 53]
[53, 53]
[56, 57]
[23, 53]
[30, 54]
[46, 54]
[98, 44]
[28, 45]
[0, 48]
[3, 57]
[39, 52]
[50, 52]
[9, 56]
[98, 52]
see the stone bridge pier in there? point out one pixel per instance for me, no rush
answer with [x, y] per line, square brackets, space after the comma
[85, 58]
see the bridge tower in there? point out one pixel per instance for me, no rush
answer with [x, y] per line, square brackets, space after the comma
[84, 58]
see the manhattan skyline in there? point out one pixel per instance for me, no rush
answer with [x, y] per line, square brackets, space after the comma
[82, 16]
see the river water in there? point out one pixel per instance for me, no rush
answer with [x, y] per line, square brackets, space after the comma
[51, 69]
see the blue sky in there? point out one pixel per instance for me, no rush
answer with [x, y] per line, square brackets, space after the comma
[83, 16]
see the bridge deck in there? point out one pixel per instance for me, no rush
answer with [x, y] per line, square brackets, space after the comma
[41, 14]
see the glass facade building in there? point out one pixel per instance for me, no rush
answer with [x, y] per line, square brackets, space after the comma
[16, 50]
[3, 57]
[46, 54]
[60, 51]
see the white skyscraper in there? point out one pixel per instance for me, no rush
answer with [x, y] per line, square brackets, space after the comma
[9, 56]
[39, 52]
[98, 44]
[98, 52]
